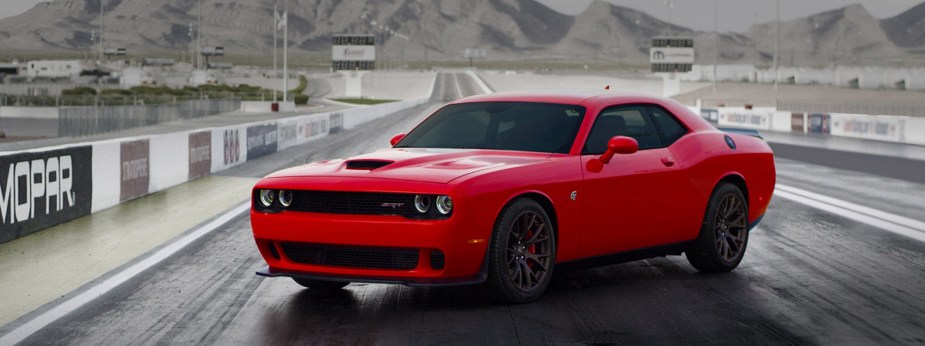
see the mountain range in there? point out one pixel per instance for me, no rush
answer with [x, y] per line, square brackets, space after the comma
[441, 29]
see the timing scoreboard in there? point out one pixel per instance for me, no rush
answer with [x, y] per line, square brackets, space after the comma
[672, 54]
[353, 52]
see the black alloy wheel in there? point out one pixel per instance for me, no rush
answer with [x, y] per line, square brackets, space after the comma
[523, 252]
[724, 233]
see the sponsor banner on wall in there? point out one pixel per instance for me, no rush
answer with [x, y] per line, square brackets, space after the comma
[797, 121]
[232, 146]
[336, 122]
[887, 128]
[748, 118]
[709, 114]
[42, 189]
[820, 123]
[315, 127]
[288, 134]
[200, 154]
[261, 140]
[135, 169]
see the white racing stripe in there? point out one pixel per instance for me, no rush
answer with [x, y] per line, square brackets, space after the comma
[901, 225]
[41, 321]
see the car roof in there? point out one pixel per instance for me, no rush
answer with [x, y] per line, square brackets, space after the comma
[565, 96]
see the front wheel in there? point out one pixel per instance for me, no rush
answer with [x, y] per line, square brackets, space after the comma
[320, 285]
[522, 253]
[724, 233]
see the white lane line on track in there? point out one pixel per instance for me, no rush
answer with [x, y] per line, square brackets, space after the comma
[458, 89]
[886, 221]
[32, 326]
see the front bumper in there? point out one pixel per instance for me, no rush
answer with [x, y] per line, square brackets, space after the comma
[415, 282]
[462, 241]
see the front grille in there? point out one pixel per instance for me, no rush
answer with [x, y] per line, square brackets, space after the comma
[352, 256]
[365, 203]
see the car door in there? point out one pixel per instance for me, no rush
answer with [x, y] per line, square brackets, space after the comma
[628, 205]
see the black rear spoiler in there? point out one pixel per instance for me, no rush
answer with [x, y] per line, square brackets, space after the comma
[747, 132]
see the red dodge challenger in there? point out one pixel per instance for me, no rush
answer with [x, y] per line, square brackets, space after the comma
[506, 188]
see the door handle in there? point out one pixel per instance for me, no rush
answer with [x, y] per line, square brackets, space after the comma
[668, 161]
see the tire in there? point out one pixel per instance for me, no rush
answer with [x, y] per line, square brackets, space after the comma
[320, 285]
[522, 254]
[724, 233]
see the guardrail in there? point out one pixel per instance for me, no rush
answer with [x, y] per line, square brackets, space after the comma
[85, 121]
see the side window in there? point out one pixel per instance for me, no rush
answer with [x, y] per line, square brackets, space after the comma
[671, 128]
[630, 121]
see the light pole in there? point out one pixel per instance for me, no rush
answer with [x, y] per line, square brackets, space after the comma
[199, 38]
[670, 6]
[777, 48]
[275, 29]
[715, 39]
[101, 31]
[285, 50]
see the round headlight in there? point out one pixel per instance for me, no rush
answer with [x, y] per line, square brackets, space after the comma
[266, 198]
[422, 203]
[444, 204]
[285, 198]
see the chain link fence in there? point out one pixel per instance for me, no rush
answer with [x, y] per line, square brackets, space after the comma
[85, 121]
[914, 109]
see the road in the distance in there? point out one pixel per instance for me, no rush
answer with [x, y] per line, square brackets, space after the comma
[808, 277]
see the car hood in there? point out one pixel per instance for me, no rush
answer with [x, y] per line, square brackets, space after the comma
[425, 165]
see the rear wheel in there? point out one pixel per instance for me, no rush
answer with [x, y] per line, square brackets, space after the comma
[523, 252]
[320, 285]
[724, 233]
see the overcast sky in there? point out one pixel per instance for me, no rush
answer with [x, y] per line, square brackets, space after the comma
[735, 15]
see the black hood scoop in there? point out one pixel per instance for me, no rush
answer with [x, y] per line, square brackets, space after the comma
[367, 164]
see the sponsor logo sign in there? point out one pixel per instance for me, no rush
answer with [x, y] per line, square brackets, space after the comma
[336, 122]
[872, 127]
[135, 169]
[200, 154]
[232, 147]
[711, 115]
[666, 55]
[288, 134]
[43, 189]
[315, 127]
[745, 118]
[261, 140]
[797, 121]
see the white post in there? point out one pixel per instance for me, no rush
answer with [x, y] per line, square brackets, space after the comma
[275, 42]
[286, 52]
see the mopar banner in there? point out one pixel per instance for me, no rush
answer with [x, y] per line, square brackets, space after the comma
[336, 123]
[200, 154]
[135, 172]
[261, 140]
[42, 189]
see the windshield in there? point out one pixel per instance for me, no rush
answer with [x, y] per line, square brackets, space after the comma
[522, 126]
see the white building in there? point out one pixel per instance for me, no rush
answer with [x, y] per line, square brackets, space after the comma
[56, 68]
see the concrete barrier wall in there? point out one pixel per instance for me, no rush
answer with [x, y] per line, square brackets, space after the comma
[50, 113]
[76, 180]
[889, 128]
